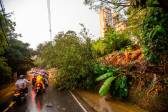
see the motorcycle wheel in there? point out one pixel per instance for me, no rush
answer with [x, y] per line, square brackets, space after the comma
[38, 91]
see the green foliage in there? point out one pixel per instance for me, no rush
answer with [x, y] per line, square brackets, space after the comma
[147, 20]
[111, 42]
[100, 69]
[46, 55]
[105, 76]
[106, 86]
[99, 47]
[155, 36]
[115, 40]
[7, 53]
[5, 71]
[115, 82]
[18, 56]
[120, 88]
[4, 30]
[120, 4]
[148, 23]
[135, 23]
[72, 55]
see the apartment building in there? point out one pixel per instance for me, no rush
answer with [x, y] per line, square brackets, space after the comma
[107, 18]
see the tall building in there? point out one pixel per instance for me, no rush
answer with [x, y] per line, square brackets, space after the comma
[121, 26]
[107, 18]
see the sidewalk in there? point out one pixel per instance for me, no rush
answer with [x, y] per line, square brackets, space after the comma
[100, 105]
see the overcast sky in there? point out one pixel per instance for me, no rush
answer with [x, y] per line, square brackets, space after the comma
[31, 18]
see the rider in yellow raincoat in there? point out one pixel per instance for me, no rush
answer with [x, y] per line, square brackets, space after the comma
[39, 79]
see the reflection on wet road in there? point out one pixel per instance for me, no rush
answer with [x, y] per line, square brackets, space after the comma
[51, 101]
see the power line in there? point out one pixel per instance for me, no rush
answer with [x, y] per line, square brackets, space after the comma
[49, 18]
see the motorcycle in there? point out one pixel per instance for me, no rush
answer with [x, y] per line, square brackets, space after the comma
[19, 96]
[38, 88]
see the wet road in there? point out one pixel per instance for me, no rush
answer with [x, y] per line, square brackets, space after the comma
[51, 101]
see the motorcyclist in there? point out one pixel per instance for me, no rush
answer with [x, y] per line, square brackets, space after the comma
[45, 77]
[39, 79]
[34, 78]
[22, 84]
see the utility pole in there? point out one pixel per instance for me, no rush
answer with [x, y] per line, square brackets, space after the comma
[49, 18]
[2, 6]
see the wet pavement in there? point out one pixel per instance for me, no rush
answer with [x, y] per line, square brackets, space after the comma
[6, 95]
[100, 104]
[51, 101]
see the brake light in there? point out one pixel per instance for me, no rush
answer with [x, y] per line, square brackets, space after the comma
[38, 85]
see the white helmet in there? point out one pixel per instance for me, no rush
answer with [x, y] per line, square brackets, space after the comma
[21, 76]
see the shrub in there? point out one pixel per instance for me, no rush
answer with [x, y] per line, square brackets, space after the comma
[75, 60]
[155, 36]
[112, 41]
[72, 55]
[5, 71]
[115, 82]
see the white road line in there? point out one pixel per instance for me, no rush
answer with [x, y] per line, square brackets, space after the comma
[78, 102]
[10, 105]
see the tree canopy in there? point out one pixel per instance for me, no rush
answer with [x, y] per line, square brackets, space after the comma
[15, 56]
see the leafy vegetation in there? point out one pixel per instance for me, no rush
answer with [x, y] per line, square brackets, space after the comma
[18, 56]
[43, 58]
[147, 25]
[147, 22]
[155, 34]
[14, 54]
[4, 29]
[5, 71]
[75, 55]
[106, 86]
[72, 56]
[112, 41]
[114, 79]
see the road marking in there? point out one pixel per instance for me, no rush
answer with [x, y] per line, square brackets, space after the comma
[9, 106]
[83, 108]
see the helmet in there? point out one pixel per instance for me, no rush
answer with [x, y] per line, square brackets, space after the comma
[21, 76]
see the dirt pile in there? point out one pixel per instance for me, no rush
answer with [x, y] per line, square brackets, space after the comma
[118, 58]
[148, 83]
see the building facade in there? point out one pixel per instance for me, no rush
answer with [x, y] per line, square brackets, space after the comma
[105, 20]
[109, 19]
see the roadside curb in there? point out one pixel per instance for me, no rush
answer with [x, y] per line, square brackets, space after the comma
[84, 105]
[6, 96]
[5, 104]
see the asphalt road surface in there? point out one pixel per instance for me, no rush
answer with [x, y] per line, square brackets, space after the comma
[51, 101]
